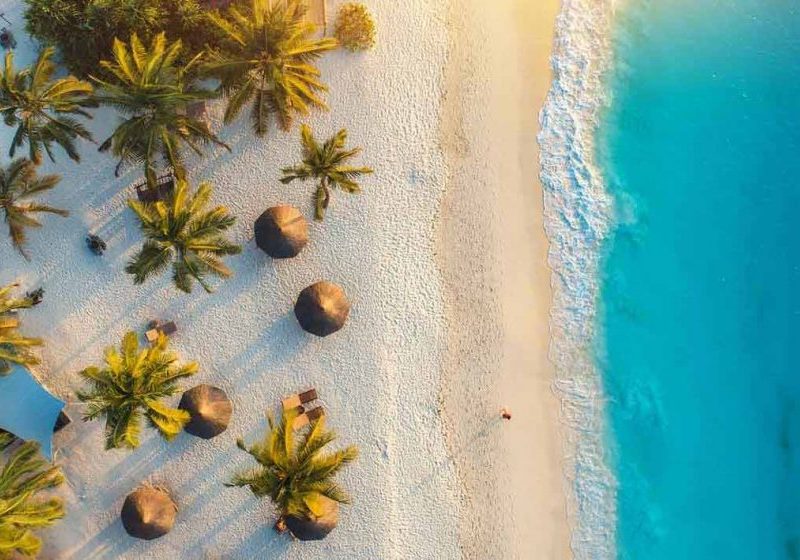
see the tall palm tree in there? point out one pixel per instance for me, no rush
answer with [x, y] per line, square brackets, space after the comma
[24, 475]
[14, 348]
[293, 470]
[268, 62]
[326, 164]
[152, 91]
[181, 230]
[19, 183]
[42, 108]
[131, 386]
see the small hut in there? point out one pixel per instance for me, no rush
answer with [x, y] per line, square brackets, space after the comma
[148, 513]
[210, 411]
[281, 232]
[317, 527]
[322, 308]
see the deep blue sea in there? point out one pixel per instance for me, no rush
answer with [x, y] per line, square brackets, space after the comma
[700, 306]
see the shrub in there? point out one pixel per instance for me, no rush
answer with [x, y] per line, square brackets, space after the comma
[84, 30]
[355, 28]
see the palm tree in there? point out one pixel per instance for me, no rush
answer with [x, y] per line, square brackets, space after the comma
[182, 231]
[131, 385]
[268, 62]
[14, 348]
[153, 91]
[19, 183]
[293, 471]
[326, 164]
[24, 475]
[41, 108]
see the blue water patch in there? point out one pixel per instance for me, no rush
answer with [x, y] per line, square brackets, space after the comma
[700, 306]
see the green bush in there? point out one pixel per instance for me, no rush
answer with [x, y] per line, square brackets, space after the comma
[355, 28]
[84, 30]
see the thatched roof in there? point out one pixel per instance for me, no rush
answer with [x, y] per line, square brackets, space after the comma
[281, 232]
[317, 528]
[322, 308]
[148, 513]
[209, 408]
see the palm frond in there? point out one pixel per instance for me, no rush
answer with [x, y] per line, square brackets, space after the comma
[268, 62]
[295, 471]
[325, 163]
[131, 387]
[24, 475]
[152, 89]
[40, 107]
[183, 232]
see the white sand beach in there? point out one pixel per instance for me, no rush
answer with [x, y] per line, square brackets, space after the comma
[443, 258]
[493, 250]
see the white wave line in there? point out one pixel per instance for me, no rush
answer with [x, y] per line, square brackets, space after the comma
[577, 215]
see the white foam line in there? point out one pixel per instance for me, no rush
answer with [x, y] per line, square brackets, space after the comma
[577, 215]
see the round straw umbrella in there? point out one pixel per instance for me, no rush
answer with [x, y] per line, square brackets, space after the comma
[148, 513]
[322, 308]
[317, 527]
[210, 411]
[281, 232]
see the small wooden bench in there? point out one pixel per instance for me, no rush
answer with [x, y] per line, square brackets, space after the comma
[162, 190]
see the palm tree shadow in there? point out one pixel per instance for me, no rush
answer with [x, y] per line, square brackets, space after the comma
[108, 544]
[264, 542]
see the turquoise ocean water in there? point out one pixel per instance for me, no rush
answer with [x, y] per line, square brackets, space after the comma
[699, 317]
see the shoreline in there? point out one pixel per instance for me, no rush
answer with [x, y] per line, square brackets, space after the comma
[493, 255]
[578, 213]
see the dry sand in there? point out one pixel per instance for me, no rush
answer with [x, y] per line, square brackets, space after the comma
[493, 252]
[488, 326]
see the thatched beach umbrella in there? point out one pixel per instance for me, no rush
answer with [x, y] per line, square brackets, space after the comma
[322, 308]
[281, 232]
[209, 408]
[148, 513]
[318, 527]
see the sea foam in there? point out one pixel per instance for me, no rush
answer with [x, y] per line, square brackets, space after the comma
[577, 218]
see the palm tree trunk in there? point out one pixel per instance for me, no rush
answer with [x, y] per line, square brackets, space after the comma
[322, 198]
[150, 175]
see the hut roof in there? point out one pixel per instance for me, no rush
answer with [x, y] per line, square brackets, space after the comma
[317, 527]
[27, 409]
[148, 513]
[281, 232]
[210, 411]
[322, 308]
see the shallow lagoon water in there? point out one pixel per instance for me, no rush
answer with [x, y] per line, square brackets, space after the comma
[700, 307]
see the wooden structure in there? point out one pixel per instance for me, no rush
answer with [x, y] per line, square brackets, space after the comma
[162, 190]
[299, 399]
[307, 417]
[155, 328]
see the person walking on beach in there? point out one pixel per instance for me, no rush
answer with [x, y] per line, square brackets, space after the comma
[505, 414]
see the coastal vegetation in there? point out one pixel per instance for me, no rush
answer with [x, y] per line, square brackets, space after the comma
[294, 471]
[19, 184]
[14, 347]
[23, 476]
[152, 89]
[131, 386]
[354, 28]
[156, 62]
[183, 232]
[327, 164]
[43, 108]
[266, 61]
[83, 31]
